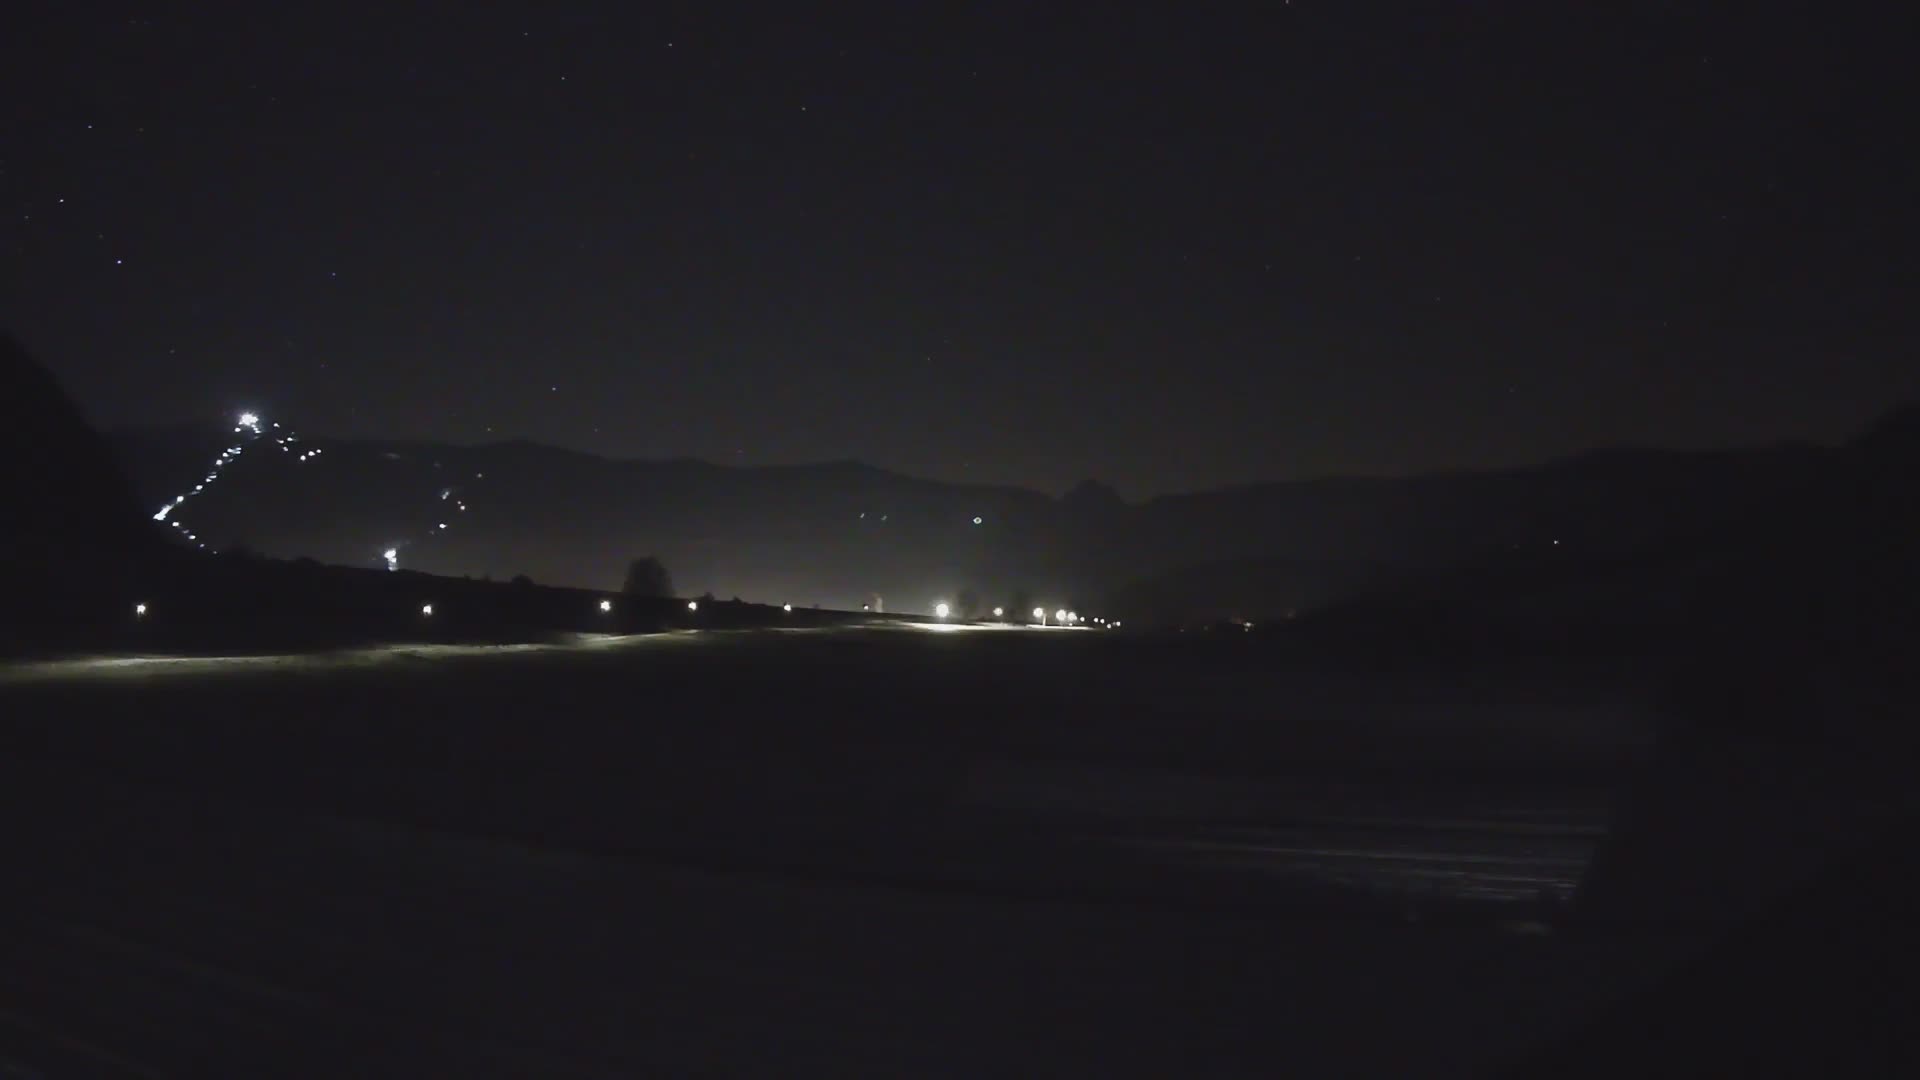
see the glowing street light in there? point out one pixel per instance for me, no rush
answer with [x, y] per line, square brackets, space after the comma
[426, 610]
[392, 555]
[788, 608]
[606, 606]
[140, 611]
[248, 419]
[940, 610]
[1060, 616]
[693, 605]
[1040, 613]
[998, 612]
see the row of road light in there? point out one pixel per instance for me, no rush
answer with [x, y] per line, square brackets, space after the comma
[140, 609]
[1062, 617]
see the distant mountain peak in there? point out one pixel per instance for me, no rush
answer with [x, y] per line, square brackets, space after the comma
[1897, 431]
[1092, 494]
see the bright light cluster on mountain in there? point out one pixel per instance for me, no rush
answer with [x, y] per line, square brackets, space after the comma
[250, 425]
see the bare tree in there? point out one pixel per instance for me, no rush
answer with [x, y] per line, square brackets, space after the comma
[648, 577]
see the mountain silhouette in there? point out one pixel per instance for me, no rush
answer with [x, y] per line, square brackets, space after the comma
[838, 533]
[72, 534]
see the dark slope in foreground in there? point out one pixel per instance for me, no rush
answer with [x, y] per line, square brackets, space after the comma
[72, 536]
[1779, 808]
[1822, 983]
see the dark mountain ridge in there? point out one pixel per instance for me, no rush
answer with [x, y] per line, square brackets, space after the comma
[840, 533]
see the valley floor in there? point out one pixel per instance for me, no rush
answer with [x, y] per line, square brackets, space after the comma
[878, 852]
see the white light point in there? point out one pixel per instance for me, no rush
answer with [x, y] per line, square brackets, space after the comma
[1040, 613]
[940, 610]
[976, 520]
[693, 605]
[139, 611]
[998, 612]
[788, 608]
[1060, 616]
[426, 609]
[392, 555]
[606, 605]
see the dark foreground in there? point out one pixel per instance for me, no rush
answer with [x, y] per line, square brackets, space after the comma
[880, 853]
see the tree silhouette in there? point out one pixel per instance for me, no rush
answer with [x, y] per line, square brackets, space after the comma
[647, 577]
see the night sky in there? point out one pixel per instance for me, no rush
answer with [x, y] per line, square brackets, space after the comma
[1166, 246]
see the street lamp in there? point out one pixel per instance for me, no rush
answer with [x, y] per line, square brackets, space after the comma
[140, 611]
[1060, 616]
[940, 610]
[426, 610]
[693, 605]
[788, 608]
[1040, 613]
[998, 612]
[606, 606]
